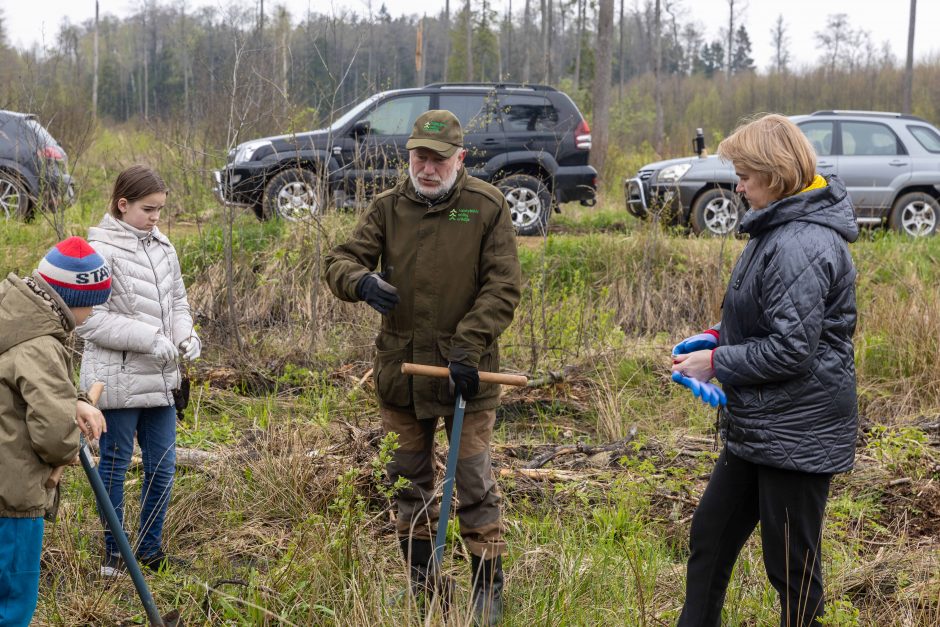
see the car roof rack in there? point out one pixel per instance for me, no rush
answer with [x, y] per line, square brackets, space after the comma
[482, 85]
[871, 114]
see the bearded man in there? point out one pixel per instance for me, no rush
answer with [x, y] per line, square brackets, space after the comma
[449, 286]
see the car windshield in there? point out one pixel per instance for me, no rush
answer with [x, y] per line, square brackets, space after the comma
[354, 112]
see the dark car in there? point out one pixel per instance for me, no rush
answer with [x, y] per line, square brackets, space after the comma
[889, 162]
[529, 140]
[33, 167]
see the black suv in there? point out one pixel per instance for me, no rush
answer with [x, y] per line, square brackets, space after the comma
[33, 168]
[529, 140]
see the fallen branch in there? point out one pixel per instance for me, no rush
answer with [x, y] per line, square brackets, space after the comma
[185, 457]
[581, 447]
[545, 474]
[551, 377]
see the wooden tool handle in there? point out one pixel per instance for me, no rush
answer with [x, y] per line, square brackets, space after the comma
[93, 395]
[442, 373]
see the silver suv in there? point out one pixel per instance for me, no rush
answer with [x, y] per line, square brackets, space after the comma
[889, 162]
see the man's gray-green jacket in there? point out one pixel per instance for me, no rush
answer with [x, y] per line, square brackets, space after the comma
[457, 272]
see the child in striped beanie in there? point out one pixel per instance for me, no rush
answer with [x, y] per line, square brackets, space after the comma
[41, 413]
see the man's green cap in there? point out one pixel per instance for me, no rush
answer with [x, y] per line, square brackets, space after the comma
[437, 130]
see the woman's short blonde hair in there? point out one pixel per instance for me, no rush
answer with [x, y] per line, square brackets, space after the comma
[776, 150]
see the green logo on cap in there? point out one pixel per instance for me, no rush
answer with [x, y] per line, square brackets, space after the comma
[434, 127]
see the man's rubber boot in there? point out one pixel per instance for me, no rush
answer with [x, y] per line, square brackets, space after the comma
[487, 591]
[423, 576]
[418, 554]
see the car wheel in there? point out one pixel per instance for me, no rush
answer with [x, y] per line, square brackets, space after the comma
[294, 194]
[716, 213]
[14, 199]
[530, 202]
[915, 214]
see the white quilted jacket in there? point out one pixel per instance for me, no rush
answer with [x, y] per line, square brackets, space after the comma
[147, 297]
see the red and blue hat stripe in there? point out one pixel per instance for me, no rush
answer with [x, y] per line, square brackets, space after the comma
[78, 273]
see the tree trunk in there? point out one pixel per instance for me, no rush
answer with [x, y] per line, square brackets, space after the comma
[659, 131]
[508, 38]
[419, 53]
[526, 57]
[546, 41]
[184, 46]
[909, 67]
[285, 67]
[469, 42]
[94, 80]
[621, 61]
[370, 71]
[730, 35]
[577, 53]
[446, 38]
[599, 132]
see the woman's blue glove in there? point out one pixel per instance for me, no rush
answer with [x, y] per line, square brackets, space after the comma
[704, 341]
[708, 392]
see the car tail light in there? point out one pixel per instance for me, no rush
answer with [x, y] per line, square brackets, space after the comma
[582, 136]
[53, 153]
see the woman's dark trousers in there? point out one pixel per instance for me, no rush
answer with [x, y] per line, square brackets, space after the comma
[789, 506]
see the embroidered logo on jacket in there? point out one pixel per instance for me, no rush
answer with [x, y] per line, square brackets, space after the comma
[461, 215]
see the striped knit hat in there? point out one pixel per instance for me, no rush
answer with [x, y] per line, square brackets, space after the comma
[79, 274]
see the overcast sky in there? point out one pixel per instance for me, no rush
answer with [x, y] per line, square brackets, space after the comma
[37, 21]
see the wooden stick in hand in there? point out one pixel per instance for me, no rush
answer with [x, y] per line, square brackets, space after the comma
[442, 373]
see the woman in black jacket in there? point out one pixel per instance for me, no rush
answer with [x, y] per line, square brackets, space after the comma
[784, 355]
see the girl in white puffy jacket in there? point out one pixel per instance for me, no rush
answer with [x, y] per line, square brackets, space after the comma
[132, 344]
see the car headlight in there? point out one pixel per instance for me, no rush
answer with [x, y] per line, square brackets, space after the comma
[247, 150]
[673, 173]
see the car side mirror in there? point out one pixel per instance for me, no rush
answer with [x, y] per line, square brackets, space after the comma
[362, 127]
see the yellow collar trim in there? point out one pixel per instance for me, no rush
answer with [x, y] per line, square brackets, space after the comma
[818, 183]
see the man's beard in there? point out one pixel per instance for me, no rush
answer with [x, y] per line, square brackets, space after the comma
[441, 190]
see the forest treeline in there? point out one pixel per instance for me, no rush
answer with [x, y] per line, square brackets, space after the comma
[235, 72]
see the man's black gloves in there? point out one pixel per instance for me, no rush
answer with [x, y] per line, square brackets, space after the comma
[466, 379]
[381, 295]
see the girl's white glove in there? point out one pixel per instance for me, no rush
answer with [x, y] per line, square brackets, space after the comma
[163, 348]
[191, 348]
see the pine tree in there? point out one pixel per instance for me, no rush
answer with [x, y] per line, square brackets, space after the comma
[741, 60]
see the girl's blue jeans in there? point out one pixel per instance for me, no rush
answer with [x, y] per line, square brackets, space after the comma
[156, 433]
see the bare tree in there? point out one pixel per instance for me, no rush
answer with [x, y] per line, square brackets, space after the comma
[469, 42]
[507, 28]
[546, 41]
[577, 52]
[909, 66]
[842, 46]
[732, 14]
[447, 38]
[601, 94]
[419, 53]
[526, 56]
[781, 43]
[659, 132]
[620, 59]
[94, 80]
